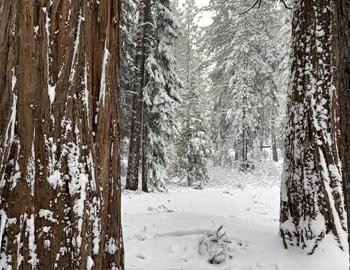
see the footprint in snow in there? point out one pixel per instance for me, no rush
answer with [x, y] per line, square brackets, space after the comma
[160, 209]
[140, 237]
[141, 256]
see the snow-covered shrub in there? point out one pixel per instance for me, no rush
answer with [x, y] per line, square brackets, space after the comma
[216, 245]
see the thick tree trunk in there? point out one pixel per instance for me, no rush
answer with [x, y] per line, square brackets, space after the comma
[311, 195]
[59, 135]
[132, 178]
[342, 21]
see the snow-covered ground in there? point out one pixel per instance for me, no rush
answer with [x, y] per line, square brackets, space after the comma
[162, 230]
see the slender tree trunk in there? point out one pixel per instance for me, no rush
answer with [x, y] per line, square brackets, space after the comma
[342, 21]
[311, 195]
[274, 147]
[236, 154]
[244, 145]
[132, 178]
[244, 136]
[273, 142]
[262, 139]
[59, 135]
[144, 151]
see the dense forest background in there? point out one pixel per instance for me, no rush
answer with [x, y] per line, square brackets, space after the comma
[226, 86]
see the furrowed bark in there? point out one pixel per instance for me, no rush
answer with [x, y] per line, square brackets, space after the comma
[59, 135]
[311, 197]
[342, 21]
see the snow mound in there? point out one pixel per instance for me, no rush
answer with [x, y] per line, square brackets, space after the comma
[216, 245]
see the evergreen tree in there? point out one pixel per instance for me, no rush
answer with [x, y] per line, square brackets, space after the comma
[243, 84]
[143, 46]
[127, 69]
[154, 102]
[193, 145]
[282, 39]
[161, 93]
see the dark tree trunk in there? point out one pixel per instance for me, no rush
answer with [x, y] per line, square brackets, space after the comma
[59, 135]
[236, 154]
[311, 186]
[244, 133]
[342, 21]
[132, 178]
[274, 146]
[144, 152]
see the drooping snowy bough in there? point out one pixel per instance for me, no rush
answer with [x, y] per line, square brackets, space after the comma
[312, 204]
[59, 135]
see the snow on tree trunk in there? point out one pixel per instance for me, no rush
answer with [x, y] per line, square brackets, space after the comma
[59, 135]
[311, 197]
[342, 21]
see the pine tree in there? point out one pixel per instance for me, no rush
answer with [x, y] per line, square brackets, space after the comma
[312, 204]
[143, 41]
[282, 75]
[59, 135]
[127, 70]
[193, 145]
[243, 79]
[127, 80]
[160, 93]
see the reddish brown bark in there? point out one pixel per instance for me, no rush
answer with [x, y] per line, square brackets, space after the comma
[342, 21]
[311, 184]
[59, 134]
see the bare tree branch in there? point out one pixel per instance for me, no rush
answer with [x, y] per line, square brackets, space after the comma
[285, 4]
[258, 3]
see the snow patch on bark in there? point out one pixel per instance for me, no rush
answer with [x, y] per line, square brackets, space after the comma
[96, 225]
[51, 90]
[106, 55]
[89, 263]
[30, 230]
[76, 48]
[31, 172]
[86, 95]
[48, 215]
[10, 130]
[80, 205]
[111, 246]
[3, 220]
[339, 224]
[55, 179]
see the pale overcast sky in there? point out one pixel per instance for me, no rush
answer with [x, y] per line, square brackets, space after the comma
[205, 16]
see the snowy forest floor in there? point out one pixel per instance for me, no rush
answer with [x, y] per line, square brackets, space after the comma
[162, 230]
